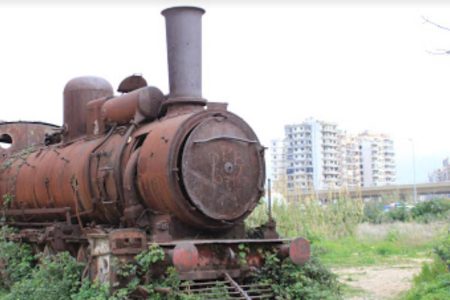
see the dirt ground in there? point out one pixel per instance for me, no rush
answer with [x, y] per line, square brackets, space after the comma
[378, 282]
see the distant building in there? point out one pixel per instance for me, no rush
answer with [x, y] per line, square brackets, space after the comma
[316, 155]
[349, 161]
[377, 159]
[441, 174]
[310, 156]
[277, 153]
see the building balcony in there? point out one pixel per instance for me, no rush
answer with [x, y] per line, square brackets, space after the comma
[331, 172]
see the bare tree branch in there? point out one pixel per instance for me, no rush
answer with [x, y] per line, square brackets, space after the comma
[435, 24]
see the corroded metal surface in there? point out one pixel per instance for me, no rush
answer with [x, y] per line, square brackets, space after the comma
[184, 53]
[142, 167]
[79, 176]
[167, 180]
[143, 104]
[78, 92]
[132, 83]
[299, 251]
[185, 256]
[221, 167]
[16, 136]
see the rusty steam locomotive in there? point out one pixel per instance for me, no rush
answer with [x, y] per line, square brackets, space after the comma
[142, 167]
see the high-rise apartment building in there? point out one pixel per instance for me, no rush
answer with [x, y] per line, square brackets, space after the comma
[316, 155]
[377, 159]
[349, 161]
[277, 152]
[441, 174]
[307, 158]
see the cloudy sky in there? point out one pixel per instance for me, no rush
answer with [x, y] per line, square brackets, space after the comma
[365, 67]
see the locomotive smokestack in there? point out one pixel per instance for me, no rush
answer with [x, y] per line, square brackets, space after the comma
[184, 54]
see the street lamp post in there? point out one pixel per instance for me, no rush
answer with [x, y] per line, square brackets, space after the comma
[414, 170]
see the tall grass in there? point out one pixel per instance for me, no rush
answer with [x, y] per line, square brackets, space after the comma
[310, 218]
[409, 234]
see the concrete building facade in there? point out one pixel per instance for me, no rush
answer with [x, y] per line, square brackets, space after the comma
[317, 155]
[441, 174]
[377, 159]
[349, 161]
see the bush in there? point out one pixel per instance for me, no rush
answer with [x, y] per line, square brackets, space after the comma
[92, 291]
[373, 212]
[433, 282]
[311, 281]
[427, 211]
[398, 214]
[55, 277]
[16, 260]
[424, 212]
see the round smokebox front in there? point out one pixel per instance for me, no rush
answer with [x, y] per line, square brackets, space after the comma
[223, 168]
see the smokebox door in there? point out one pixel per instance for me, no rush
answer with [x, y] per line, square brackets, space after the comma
[221, 168]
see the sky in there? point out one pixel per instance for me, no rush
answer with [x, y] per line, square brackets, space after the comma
[364, 67]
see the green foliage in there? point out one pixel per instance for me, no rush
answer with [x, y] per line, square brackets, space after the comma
[146, 259]
[172, 283]
[54, 278]
[427, 211]
[92, 291]
[443, 251]
[433, 282]
[137, 272]
[354, 251]
[373, 212]
[242, 253]
[7, 200]
[424, 212]
[16, 260]
[398, 214]
[220, 291]
[310, 281]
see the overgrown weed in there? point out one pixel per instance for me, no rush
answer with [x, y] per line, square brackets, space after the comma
[311, 219]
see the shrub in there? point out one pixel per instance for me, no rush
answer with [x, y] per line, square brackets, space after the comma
[398, 214]
[54, 278]
[16, 260]
[310, 281]
[431, 210]
[433, 282]
[92, 291]
[373, 212]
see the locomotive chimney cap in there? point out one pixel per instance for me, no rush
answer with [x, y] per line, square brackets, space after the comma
[183, 7]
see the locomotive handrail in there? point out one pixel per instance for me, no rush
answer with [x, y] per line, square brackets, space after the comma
[226, 137]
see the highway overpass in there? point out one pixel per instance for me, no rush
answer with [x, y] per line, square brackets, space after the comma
[402, 191]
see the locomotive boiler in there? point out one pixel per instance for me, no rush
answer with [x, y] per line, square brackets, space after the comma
[142, 167]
